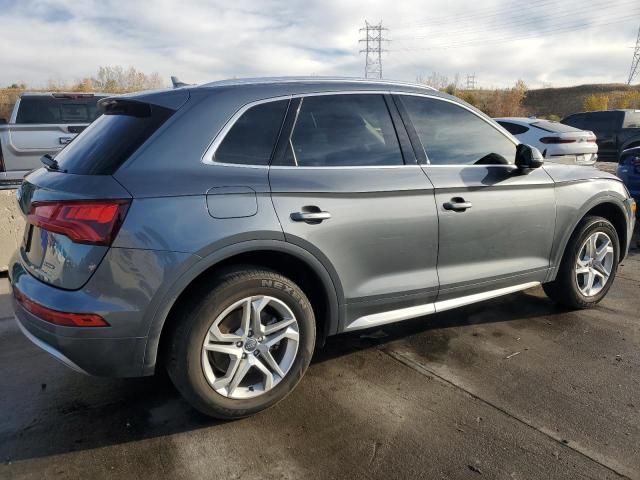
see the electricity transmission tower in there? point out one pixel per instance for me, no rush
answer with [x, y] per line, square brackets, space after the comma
[471, 82]
[635, 67]
[373, 38]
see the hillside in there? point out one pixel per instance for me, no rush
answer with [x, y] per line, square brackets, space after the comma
[563, 101]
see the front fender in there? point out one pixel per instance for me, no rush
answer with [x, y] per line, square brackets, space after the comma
[572, 208]
[194, 269]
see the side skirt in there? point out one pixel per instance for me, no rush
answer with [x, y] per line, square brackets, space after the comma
[392, 316]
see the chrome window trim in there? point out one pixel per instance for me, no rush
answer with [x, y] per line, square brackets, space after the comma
[209, 154]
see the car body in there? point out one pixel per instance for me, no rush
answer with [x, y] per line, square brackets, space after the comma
[629, 171]
[616, 130]
[325, 182]
[42, 123]
[558, 143]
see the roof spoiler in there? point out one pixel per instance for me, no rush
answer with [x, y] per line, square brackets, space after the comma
[177, 83]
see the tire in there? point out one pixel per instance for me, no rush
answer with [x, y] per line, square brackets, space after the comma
[198, 372]
[570, 288]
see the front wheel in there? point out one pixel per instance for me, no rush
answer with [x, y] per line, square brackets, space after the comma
[244, 344]
[589, 265]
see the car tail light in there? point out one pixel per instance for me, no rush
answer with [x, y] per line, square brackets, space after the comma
[548, 140]
[94, 222]
[56, 317]
[592, 139]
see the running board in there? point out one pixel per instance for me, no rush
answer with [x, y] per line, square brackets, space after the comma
[392, 316]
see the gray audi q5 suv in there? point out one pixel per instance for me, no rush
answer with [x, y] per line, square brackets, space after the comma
[224, 231]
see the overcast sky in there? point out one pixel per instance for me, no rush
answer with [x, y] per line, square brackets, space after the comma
[544, 42]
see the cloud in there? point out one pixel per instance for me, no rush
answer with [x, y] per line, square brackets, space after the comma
[200, 40]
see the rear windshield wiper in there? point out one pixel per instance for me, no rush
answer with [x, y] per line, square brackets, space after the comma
[50, 162]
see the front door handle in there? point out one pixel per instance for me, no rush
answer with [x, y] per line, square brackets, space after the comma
[457, 204]
[310, 215]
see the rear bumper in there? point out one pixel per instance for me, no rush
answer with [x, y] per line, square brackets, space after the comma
[123, 290]
[587, 159]
[105, 357]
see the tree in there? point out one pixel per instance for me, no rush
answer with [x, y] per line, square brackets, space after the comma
[596, 102]
[117, 79]
[629, 99]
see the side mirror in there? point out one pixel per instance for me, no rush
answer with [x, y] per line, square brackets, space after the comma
[528, 158]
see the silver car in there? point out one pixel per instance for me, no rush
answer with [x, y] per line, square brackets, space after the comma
[225, 231]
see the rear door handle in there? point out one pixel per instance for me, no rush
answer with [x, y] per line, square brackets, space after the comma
[457, 204]
[310, 215]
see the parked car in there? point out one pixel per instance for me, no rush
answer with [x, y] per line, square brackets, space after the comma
[40, 124]
[558, 143]
[616, 130]
[629, 171]
[224, 231]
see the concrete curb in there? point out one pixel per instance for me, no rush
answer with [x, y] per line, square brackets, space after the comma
[11, 224]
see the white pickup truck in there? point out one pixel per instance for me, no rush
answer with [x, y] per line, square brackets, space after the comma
[41, 123]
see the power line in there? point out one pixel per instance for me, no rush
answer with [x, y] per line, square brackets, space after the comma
[514, 22]
[512, 38]
[373, 49]
[478, 15]
[635, 63]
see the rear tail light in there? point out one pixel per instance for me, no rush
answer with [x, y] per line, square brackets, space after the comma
[94, 222]
[56, 317]
[548, 140]
[592, 139]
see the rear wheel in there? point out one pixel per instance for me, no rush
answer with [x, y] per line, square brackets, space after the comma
[243, 345]
[589, 265]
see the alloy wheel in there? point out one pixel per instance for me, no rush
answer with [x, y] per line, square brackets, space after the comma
[250, 347]
[594, 264]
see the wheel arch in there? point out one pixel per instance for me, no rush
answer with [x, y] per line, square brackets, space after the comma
[630, 143]
[319, 282]
[607, 207]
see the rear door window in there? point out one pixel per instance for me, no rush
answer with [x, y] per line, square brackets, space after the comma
[513, 128]
[109, 141]
[57, 109]
[344, 130]
[252, 138]
[453, 135]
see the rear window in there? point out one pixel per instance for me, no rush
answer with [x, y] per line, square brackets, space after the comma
[513, 128]
[632, 120]
[554, 126]
[112, 138]
[54, 110]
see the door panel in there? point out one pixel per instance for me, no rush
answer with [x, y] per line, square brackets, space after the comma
[381, 237]
[503, 238]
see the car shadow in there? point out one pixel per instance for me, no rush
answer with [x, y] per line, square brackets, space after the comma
[55, 410]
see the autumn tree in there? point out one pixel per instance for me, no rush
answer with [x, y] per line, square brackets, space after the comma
[596, 102]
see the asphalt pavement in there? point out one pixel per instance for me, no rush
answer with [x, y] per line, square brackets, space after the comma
[513, 388]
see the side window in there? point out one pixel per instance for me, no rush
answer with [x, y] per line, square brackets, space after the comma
[513, 128]
[452, 135]
[252, 138]
[344, 130]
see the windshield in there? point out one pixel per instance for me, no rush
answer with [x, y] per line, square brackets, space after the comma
[54, 110]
